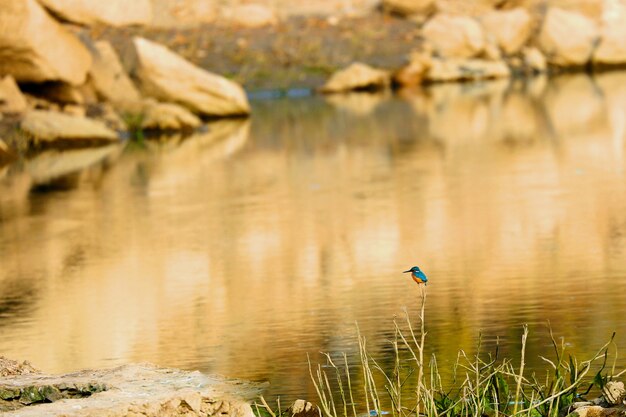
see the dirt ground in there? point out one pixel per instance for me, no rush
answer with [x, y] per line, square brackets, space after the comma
[299, 52]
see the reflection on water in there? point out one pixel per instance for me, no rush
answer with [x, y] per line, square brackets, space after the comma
[241, 249]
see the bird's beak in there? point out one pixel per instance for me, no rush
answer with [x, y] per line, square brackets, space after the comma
[404, 272]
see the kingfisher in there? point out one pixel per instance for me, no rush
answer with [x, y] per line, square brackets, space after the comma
[417, 275]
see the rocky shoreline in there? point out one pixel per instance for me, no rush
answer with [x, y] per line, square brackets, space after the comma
[68, 85]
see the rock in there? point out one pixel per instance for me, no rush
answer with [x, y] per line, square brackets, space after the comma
[47, 126]
[510, 29]
[167, 77]
[110, 12]
[251, 15]
[612, 47]
[357, 76]
[35, 48]
[467, 8]
[11, 98]
[567, 38]
[5, 155]
[74, 110]
[108, 77]
[614, 392]
[9, 367]
[167, 116]
[443, 70]
[598, 411]
[56, 92]
[534, 59]
[454, 36]
[414, 72]
[302, 408]
[132, 390]
[409, 7]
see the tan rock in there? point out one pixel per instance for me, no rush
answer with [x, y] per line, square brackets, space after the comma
[133, 390]
[534, 59]
[443, 70]
[5, 155]
[612, 47]
[58, 92]
[454, 36]
[567, 38]
[413, 74]
[251, 15]
[467, 8]
[168, 77]
[35, 48]
[409, 7]
[47, 126]
[109, 12]
[357, 76]
[108, 77]
[168, 116]
[510, 29]
[11, 98]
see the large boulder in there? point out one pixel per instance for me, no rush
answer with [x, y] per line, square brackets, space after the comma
[357, 76]
[109, 12]
[167, 77]
[409, 7]
[108, 77]
[413, 73]
[454, 36]
[35, 48]
[250, 15]
[567, 38]
[167, 116]
[612, 47]
[48, 126]
[510, 29]
[11, 98]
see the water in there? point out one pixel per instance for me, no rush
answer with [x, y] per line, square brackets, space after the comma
[243, 249]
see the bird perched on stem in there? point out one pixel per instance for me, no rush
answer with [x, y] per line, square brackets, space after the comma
[417, 275]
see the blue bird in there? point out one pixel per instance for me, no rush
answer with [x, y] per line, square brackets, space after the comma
[417, 275]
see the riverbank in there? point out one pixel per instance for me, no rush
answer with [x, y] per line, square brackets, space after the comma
[109, 81]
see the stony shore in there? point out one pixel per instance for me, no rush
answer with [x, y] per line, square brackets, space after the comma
[98, 73]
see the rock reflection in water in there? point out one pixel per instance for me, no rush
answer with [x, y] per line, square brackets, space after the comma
[244, 248]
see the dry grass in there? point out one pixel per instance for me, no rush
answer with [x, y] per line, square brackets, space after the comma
[491, 387]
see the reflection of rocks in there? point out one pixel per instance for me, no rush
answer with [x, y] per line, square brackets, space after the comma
[168, 77]
[358, 103]
[567, 38]
[357, 76]
[109, 12]
[573, 104]
[454, 36]
[47, 126]
[442, 70]
[128, 390]
[35, 48]
[52, 165]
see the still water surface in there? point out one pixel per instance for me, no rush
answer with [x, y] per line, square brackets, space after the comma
[240, 250]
